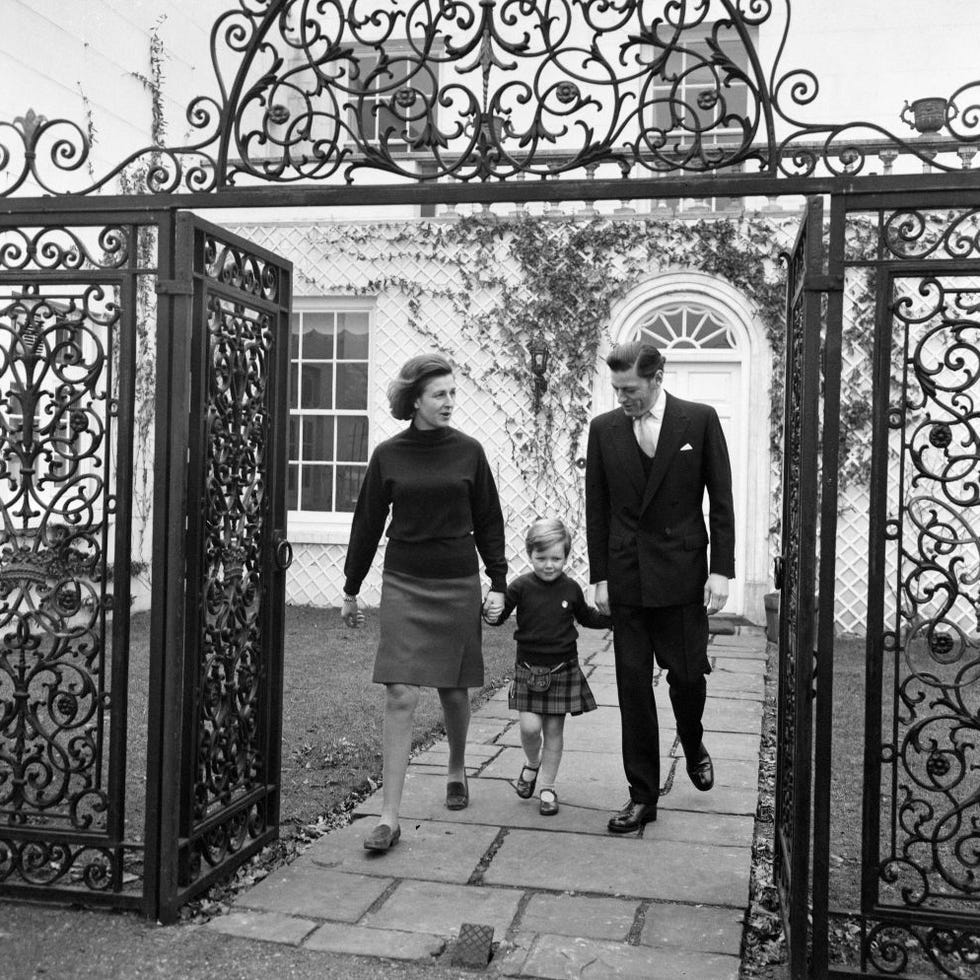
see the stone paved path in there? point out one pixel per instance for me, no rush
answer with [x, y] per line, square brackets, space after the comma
[564, 897]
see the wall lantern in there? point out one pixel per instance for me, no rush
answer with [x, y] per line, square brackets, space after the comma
[540, 355]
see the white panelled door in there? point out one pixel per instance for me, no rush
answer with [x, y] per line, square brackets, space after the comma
[719, 384]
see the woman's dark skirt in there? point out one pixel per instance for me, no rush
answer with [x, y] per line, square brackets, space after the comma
[568, 694]
[430, 631]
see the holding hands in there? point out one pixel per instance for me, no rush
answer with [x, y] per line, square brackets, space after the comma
[493, 606]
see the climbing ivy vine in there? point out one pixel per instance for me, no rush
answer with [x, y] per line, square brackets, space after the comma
[561, 277]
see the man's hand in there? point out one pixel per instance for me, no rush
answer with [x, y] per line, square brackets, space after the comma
[715, 593]
[602, 598]
[493, 605]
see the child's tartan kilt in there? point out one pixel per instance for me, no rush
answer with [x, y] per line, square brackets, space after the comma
[569, 693]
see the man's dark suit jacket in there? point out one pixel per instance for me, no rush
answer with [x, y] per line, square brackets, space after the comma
[647, 538]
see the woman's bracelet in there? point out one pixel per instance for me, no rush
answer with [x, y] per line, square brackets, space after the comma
[349, 598]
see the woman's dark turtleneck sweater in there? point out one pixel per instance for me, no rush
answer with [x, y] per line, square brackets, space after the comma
[443, 500]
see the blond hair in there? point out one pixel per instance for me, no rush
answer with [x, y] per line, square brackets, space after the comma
[545, 532]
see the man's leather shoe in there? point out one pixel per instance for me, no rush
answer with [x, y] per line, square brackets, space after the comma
[702, 773]
[632, 817]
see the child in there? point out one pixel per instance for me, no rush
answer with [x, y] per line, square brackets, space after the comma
[548, 682]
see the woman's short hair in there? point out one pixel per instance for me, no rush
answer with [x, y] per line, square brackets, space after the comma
[412, 378]
[647, 359]
[543, 533]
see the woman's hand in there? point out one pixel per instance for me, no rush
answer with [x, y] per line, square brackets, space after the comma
[350, 612]
[493, 606]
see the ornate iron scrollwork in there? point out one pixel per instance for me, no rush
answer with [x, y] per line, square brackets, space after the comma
[230, 757]
[58, 344]
[471, 90]
[931, 756]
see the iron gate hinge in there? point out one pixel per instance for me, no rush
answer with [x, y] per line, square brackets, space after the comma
[175, 287]
[824, 284]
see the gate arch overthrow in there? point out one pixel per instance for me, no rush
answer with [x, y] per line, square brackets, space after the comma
[462, 102]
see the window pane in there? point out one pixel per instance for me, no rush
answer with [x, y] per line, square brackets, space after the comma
[351, 386]
[352, 336]
[317, 386]
[352, 438]
[317, 487]
[293, 437]
[294, 336]
[318, 330]
[292, 488]
[294, 385]
[349, 480]
[318, 438]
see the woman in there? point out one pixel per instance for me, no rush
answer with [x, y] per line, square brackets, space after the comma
[444, 508]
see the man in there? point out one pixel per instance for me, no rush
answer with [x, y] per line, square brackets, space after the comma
[648, 465]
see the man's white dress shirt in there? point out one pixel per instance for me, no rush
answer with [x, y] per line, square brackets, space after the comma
[646, 428]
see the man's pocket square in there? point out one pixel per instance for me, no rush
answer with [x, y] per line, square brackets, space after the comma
[687, 448]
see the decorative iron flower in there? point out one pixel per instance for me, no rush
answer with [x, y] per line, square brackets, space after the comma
[406, 97]
[567, 92]
[941, 644]
[941, 435]
[278, 114]
[937, 765]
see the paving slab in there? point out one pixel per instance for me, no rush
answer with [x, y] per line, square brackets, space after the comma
[721, 799]
[579, 915]
[703, 928]
[700, 826]
[476, 754]
[586, 778]
[440, 909]
[596, 731]
[720, 660]
[736, 684]
[742, 746]
[272, 927]
[486, 731]
[561, 958]
[305, 889]
[434, 851]
[495, 709]
[623, 866]
[730, 715]
[494, 804]
[740, 773]
[388, 943]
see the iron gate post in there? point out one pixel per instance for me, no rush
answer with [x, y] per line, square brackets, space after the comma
[167, 610]
[794, 724]
[826, 616]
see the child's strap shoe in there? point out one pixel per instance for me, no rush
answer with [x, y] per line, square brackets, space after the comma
[549, 803]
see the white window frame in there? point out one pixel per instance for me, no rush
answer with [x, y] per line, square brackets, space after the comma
[394, 49]
[324, 526]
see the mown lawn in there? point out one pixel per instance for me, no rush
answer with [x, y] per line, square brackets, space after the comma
[332, 712]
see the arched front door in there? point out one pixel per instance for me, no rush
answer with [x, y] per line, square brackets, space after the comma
[706, 330]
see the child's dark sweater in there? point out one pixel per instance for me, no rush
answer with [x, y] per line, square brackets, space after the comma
[546, 616]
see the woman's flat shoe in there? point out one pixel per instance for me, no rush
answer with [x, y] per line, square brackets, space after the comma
[549, 803]
[525, 787]
[382, 838]
[457, 795]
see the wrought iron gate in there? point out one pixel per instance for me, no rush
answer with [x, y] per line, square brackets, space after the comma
[218, 640]
[898, 731]
[67, 352]
[70, 822]
[795, 577]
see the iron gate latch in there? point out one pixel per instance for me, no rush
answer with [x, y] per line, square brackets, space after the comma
[282, 552]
